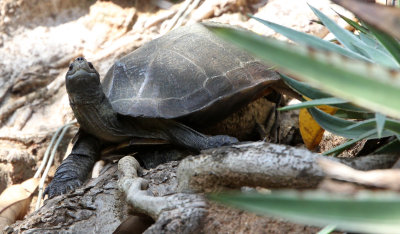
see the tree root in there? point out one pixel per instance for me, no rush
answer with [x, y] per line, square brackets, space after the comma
[177, 213]
[261, 164]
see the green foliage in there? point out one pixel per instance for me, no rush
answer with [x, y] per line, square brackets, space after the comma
[320, 97]
[353, 80]
[365, 212]
[351, 42]
[361, 72]
[314, 41]
[316, 102]
[361, 78]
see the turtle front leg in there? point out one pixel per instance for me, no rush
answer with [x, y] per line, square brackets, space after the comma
[183, 135]
[75, 169]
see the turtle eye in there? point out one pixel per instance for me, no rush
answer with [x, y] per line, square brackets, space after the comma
[90, 65]
[71, 66]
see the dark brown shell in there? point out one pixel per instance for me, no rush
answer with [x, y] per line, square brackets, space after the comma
[187, 72]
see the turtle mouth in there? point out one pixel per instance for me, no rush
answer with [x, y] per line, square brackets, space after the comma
[81, 73]
[80, 68]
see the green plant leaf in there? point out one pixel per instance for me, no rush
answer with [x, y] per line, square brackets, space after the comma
[389, 148]
[380, 123]
[345, 37]
[371, 41]
[313, 93]
[303, 88]
[378, 56]
[312, 103]
[310, 40]
[368, 85]
[345, 114]
[346, 128]
[368, 122]
[344, 146]
[351, 42]
[328, 229]
[391, 44]
[392, 125]
[354, 24]
[384, 18]
[352, 129]
[364, 212]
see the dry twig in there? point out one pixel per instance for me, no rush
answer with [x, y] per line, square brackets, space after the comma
[386, 178]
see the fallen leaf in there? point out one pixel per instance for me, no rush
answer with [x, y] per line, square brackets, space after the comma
[15, 200]
[310, 130]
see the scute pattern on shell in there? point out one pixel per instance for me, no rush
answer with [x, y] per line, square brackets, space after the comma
[183, 72]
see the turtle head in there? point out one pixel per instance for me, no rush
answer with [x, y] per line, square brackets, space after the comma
[82, 80]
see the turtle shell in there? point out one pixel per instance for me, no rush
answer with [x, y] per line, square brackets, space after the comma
[189, 73]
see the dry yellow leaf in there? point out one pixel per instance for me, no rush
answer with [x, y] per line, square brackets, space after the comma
[14, 201]
[310, 130]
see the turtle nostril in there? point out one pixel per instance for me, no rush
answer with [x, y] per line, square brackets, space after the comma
[80, 59]
[90, 65]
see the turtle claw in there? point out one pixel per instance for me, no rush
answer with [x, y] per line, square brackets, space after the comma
[67, 178]
[220, 140]
[61, 186]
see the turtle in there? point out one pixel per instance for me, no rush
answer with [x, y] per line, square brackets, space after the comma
[188, 77]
